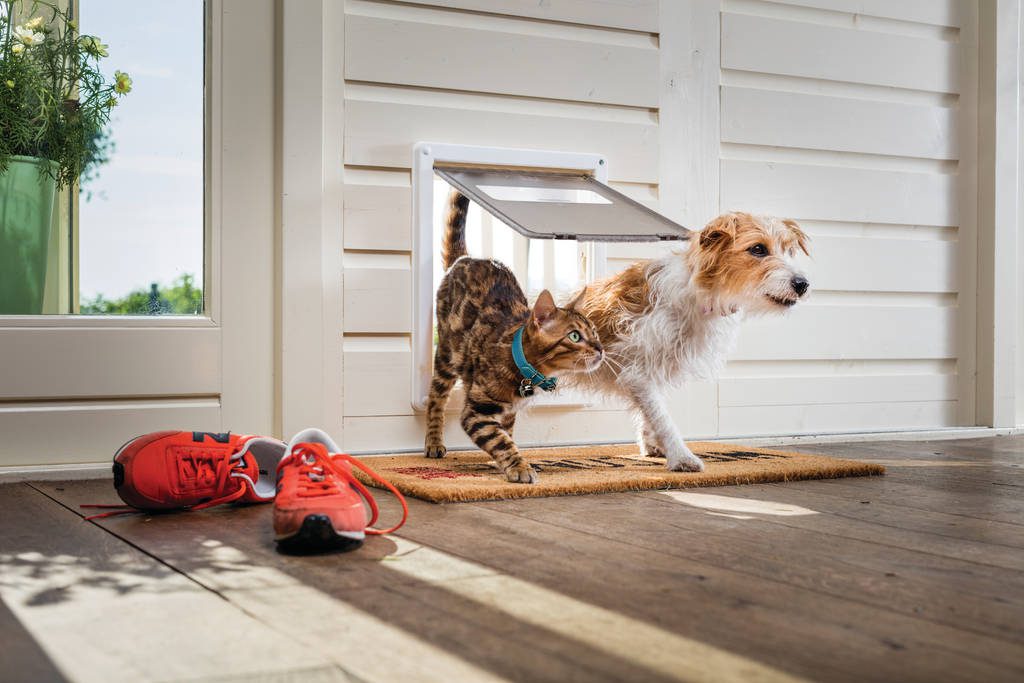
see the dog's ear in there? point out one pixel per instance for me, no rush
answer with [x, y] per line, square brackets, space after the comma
[799, 236]
[577, 300]
[720, 232]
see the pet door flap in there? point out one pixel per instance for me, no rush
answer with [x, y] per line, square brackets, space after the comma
[561, 205]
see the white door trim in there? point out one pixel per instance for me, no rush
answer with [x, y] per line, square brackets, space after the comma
[999, 147]
[310, 389]
[72, 389]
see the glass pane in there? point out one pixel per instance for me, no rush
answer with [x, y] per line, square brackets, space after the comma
[140, 222]
[129, 238]
[560, 195]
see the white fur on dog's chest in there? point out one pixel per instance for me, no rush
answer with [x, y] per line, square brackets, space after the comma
[683, 336]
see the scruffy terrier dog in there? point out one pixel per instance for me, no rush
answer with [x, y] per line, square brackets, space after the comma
[677, 317]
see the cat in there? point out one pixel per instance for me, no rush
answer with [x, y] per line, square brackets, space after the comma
[480, 307]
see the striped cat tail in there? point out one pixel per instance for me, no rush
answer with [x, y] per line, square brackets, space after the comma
[454, 244]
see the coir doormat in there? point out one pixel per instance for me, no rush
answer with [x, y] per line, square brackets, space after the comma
[574, 470]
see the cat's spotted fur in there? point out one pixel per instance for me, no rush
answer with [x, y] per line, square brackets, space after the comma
[479, 308]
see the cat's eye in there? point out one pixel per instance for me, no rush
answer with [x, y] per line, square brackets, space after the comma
[758, 250]
[575, 337]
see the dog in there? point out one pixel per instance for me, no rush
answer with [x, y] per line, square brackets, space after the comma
[677, 317]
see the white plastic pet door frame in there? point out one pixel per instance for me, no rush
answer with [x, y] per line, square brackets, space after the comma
[541, 195]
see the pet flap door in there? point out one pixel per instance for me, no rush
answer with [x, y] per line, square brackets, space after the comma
[560, 205]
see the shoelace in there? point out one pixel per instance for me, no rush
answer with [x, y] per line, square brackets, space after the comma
[206, 473]
[314, 470]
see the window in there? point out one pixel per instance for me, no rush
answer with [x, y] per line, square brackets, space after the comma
[140, 215]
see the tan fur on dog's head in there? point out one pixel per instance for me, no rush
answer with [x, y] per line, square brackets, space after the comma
[745, 261]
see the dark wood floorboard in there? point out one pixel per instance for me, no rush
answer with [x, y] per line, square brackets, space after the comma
[914, 576]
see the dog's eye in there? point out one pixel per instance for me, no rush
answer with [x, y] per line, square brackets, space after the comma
[758, 250]
[575, 337]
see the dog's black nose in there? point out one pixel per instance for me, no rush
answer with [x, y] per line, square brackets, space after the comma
[800, 285]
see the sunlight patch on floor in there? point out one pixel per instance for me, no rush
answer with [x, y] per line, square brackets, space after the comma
[726, 504]
[633, 640]
[364, 645]
[79, 610]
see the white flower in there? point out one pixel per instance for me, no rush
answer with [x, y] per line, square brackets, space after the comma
[35, 23]
[17, 48]
[28, 36]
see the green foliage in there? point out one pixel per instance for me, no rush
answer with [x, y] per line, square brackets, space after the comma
[181, 298]
[54, 102]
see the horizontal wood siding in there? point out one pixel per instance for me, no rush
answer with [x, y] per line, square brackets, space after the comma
[845, 115]
[479, 73]
[842, 114]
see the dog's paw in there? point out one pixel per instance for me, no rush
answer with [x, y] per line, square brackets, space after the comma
[687, 462]
[521, 474]
[653, 452]
[435, 451]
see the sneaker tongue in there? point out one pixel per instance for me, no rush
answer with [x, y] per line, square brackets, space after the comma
[257, 461]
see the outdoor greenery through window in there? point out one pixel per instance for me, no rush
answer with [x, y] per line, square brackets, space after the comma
[102, 157]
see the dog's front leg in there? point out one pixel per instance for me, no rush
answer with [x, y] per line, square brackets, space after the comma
[656, 428]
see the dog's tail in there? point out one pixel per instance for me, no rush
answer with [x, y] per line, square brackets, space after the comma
[454, 244]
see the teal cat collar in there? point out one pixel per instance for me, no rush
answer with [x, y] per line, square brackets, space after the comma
[531, 378]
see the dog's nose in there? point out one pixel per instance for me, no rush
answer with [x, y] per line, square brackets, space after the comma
[800, 285]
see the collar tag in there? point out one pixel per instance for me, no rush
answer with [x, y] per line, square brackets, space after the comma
[526, 388]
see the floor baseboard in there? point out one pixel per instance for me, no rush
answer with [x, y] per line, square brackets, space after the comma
[101, 470]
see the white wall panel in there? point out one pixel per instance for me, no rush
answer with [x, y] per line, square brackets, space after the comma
[120, 361]
[378, 217]
[487, 59]
[842, 114]
[938, 12]
[844, 332]
[378, 293]
[91, 431]
[380, 133]
[797, 48]
[637, 15]
[837, 417]
[840, 193]
[765, 117]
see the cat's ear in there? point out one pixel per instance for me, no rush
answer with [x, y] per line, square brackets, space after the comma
[575, 303]
[544, 308]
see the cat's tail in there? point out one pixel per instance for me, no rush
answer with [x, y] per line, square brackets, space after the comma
[454, 244]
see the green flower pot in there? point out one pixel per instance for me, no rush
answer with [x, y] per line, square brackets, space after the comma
[26, 212]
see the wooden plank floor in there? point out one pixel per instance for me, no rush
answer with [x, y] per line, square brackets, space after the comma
[914, 576]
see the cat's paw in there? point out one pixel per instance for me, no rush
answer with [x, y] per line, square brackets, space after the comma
[435, 451]
[686, 462]
[521, 474]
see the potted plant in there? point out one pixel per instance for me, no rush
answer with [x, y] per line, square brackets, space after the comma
[54, 107]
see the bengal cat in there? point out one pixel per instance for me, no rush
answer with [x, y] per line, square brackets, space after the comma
[480, 306]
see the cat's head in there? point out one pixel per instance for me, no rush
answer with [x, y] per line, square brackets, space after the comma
[561, 340]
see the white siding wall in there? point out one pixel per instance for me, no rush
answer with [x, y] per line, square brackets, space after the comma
[846, 122]
[850, 123]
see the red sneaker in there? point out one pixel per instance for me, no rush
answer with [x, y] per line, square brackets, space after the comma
[193, 470]
[320, 504]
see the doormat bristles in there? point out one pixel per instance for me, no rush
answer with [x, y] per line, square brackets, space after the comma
[574, 470]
